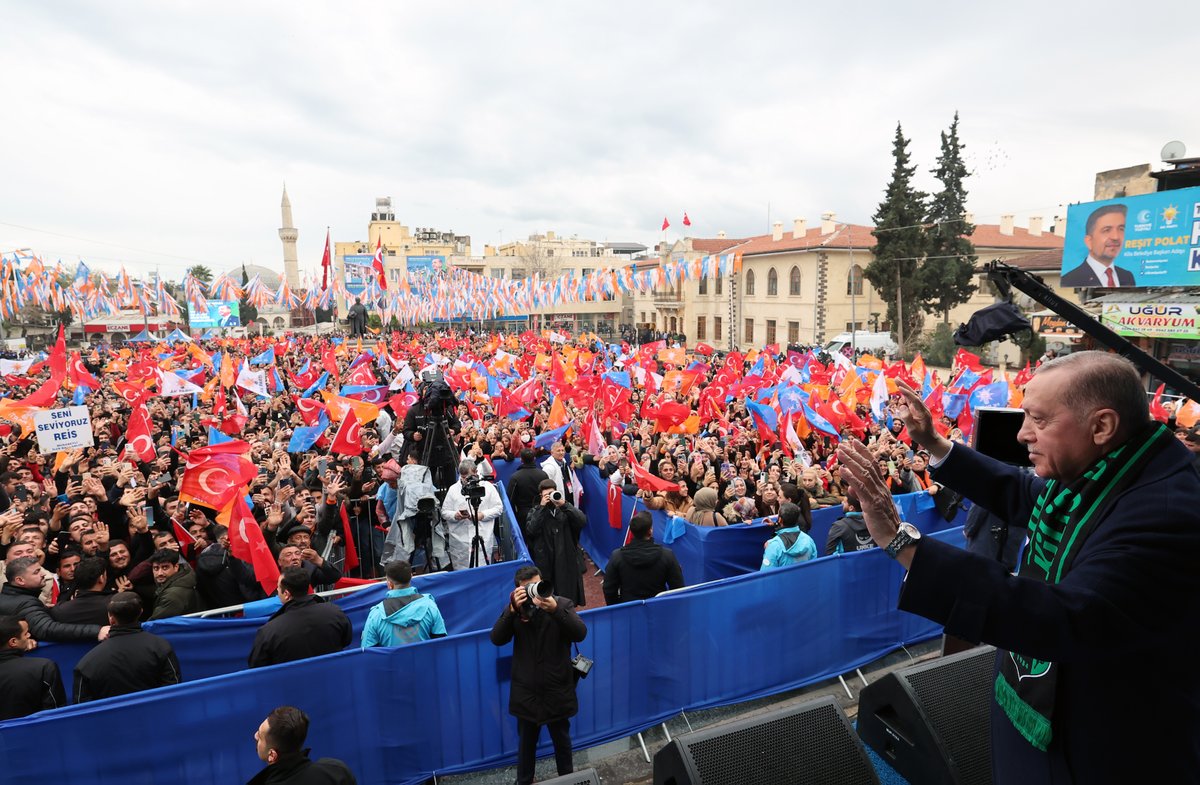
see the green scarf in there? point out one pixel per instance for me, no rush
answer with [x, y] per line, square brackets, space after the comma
[1062, 519]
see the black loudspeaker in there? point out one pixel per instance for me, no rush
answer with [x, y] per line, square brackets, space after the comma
[585, 777]
[809, 743]
[930, 721]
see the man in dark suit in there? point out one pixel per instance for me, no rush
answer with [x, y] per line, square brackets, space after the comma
[1104, 237]
[1108, 589]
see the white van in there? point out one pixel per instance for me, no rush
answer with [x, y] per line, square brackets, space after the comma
[876, 343]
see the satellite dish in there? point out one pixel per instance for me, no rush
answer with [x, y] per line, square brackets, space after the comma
[1173, 151]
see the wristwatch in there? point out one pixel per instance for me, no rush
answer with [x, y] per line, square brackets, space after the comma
[907, 534]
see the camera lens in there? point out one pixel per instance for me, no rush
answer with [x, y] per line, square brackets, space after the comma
[556, 496]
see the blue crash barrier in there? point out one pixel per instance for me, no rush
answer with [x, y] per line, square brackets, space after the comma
[402, 715]
[708, 553]
[213, 647]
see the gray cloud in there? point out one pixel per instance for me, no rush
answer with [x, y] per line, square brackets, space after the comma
[171, 127]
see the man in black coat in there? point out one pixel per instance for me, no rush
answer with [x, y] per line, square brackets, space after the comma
[523, 493]
[279, 742]
[641, 569]
[543, 679]
[223, 579]
[554, 528]
[90, 603]
[306, 625]
[19, 597]
[131, 660]
[1108, 585]
[27, 684]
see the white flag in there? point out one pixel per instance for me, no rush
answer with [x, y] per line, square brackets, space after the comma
[879, 395]
[172, 385]
[253, 381]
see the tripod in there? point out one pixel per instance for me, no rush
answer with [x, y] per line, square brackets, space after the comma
[478, 549]
[433, 432]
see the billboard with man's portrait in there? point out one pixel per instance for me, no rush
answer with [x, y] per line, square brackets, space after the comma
[1147, 240]
[220, 313]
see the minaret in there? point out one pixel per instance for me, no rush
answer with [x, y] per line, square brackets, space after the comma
[288, 234]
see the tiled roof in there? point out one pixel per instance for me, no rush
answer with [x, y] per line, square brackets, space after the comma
[717, 245]
[989, 236]
[846, 236]
[1050, 261]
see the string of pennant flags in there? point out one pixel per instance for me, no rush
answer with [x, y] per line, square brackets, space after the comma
[448, 294]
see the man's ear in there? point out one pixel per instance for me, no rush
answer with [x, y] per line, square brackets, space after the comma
[1105, 424]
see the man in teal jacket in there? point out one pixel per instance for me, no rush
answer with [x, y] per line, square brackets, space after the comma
[791, 544]
[404, 616]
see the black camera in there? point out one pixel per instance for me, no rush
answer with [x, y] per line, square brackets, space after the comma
[581, 665]
[473, 490]
[541, 589]
[423, 520]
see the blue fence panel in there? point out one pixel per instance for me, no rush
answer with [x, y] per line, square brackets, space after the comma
[400, 715]
[212, 647]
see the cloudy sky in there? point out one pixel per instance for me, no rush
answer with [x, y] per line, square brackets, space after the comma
[159, 135]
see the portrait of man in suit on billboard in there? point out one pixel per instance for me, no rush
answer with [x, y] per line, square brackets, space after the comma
[1104, 237]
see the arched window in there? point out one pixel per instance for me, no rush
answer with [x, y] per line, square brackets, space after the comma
[749, 282]
[854, 282]
[772, 282]
[794, 282]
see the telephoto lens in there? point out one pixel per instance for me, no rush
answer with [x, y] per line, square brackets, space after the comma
[556, 496]
[541, 589]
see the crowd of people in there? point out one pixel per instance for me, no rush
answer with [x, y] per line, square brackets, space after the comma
[370, 460]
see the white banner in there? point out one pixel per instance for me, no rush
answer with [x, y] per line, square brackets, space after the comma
[63, 429]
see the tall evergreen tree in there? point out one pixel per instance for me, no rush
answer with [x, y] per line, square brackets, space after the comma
[248, 312]
[947, 277]
[900, 246]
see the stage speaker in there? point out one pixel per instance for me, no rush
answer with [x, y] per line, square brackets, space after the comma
[585, 777]
[930, 721]
[809, 743]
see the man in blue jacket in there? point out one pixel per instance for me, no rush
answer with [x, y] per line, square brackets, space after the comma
[404, 616]
[1108, 592]
[790, 545]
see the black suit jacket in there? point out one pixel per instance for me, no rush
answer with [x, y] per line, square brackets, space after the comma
[1128, 609]
[1083, 276]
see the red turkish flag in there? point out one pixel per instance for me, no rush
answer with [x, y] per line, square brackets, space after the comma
[686, 221]
[329, 362]
[1023, 376]
[141, 435]
[310, 410]
[647, 481]
[80, 375]
[58, 356]
[134, 394]
[362, 376]
[615, 514]
[666, 223]
[214, 481]
[377, 264]
[348, 538]
[44, 395]
[349, 437]
[246, 542]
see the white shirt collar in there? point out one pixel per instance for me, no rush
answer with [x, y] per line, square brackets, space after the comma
[1099, 269]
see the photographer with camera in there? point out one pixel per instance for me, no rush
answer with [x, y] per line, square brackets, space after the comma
[542, 627]
[430, 426]
[470, 509]
[554, 527]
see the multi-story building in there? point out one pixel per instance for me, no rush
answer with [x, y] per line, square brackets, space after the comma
[403, 250]
[808, 285]
[549, 256]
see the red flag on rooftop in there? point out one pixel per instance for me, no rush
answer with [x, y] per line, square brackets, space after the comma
[326, 262]
[377, 264]
[686, 220]
[666, 223]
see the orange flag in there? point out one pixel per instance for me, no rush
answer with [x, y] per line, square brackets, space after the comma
[558, 414]
[1187, 415]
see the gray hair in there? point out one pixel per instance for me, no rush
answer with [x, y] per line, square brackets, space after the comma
[466, 467]
[1102, 380]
